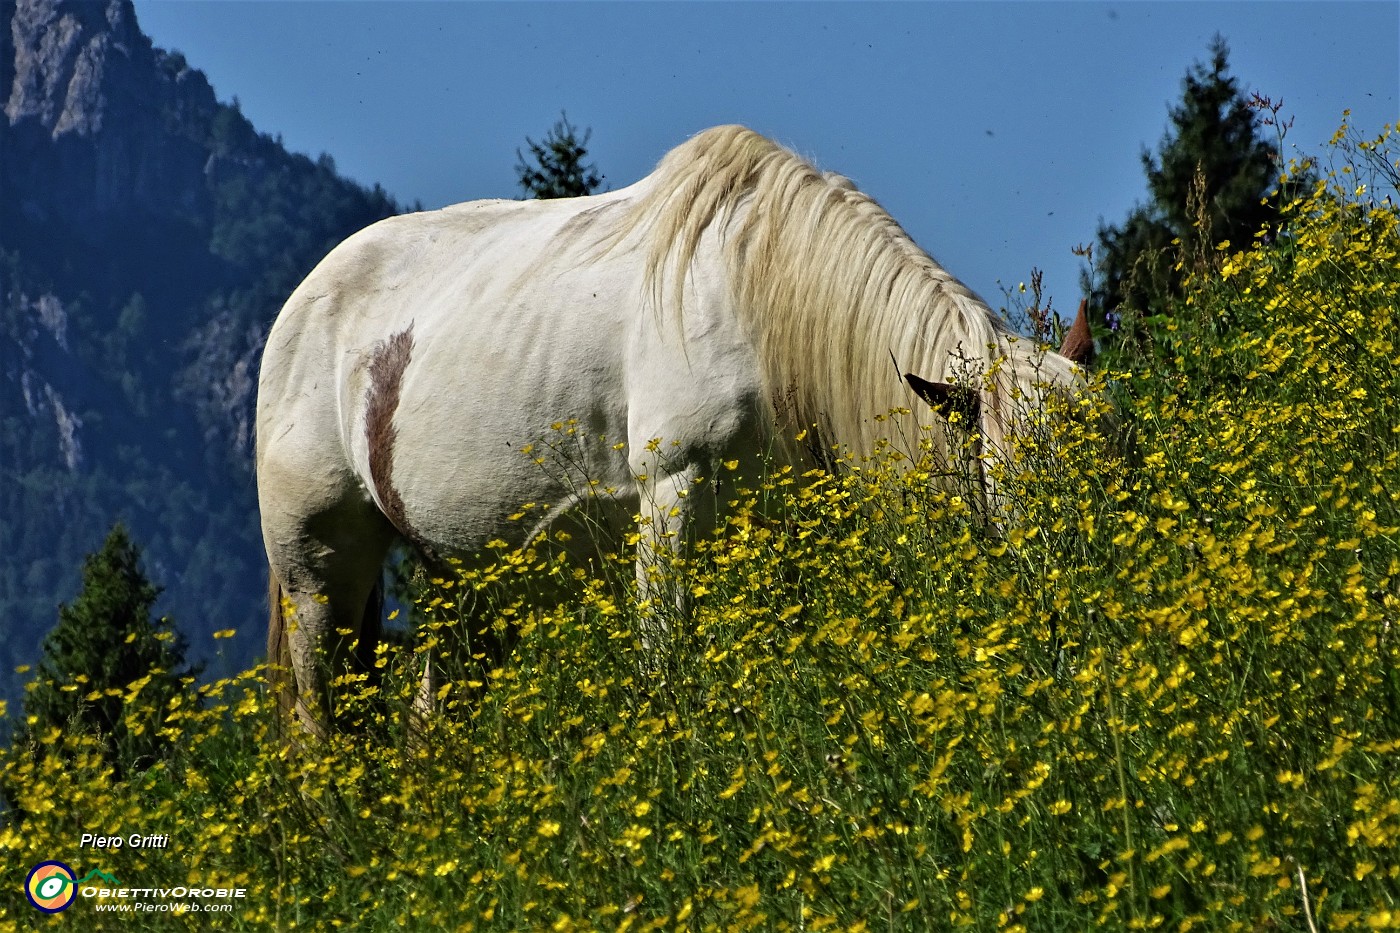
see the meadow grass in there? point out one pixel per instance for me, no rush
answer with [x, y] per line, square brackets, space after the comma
[1165, 694]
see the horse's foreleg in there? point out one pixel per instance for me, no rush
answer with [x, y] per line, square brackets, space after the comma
[667, 511]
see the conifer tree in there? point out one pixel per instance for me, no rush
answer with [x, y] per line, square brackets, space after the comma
[104, 645]
[1210, 180]
[557, 169]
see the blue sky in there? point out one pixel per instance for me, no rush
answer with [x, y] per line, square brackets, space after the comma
[998, 134]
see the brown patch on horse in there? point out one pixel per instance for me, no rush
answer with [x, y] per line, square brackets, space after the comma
[386, 368]
[1078, 346]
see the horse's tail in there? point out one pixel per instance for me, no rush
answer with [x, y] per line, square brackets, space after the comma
[280, 678]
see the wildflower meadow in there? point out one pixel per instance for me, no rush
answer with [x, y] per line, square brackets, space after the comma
[1159, 690]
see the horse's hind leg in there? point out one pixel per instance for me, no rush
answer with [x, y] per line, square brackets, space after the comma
[328, 563]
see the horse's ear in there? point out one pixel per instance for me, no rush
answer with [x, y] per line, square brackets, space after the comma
[946, 399]
[1079, 342]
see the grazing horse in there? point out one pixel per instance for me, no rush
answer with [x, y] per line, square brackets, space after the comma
[700, 316]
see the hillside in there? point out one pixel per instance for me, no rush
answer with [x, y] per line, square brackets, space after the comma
[1162, 694]
[148, 235]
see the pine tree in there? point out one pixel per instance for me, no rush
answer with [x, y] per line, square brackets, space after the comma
[1211, 180]
[558, 169]
[105, 642]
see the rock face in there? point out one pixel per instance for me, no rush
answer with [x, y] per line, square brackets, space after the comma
[96, 116]
[148, 236]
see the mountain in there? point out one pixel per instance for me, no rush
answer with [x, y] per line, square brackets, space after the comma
[148, 236]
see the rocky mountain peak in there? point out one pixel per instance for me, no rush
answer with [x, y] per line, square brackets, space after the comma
[70, 58]
[96, 116]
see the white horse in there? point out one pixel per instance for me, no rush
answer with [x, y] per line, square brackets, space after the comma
[731, 297]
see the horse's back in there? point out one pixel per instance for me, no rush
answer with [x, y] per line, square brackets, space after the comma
[422, 353]
[439, 271]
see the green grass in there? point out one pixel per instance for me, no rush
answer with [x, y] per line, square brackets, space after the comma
[1165, 696]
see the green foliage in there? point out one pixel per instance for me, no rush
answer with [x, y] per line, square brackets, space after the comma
[1213, 178]
[104, 654]
[558, 169]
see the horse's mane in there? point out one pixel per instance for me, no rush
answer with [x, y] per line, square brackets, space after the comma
[831, 284]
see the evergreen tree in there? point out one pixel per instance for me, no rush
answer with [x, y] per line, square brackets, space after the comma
[1209, 181]
[558, 169]
[104, 643]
